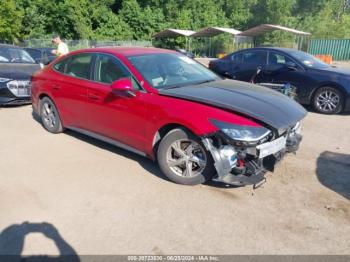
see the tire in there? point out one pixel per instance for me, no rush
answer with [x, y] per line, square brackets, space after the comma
[328, 100]
[50, 118]
[183, 158]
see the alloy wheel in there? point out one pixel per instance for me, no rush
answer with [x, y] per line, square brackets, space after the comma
[186, 158]
[327, 101]
[49, 115]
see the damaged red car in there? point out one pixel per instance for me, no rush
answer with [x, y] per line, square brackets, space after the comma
[165, 106]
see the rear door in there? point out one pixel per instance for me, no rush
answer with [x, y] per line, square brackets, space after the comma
[247, 64]
[69, 89]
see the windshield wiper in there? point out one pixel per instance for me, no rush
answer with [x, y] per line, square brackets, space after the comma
[205, 81]
[187, 84]
[172, 87]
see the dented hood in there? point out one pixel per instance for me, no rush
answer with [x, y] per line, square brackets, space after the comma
[260, 103]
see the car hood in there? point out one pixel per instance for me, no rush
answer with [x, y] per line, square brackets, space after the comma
[18, 71]
[335, 70]
[260, 103]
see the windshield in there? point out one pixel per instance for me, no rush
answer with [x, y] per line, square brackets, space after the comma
[171, 70]
[309, 60]
[14, 55]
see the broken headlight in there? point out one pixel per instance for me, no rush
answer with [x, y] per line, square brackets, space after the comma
[243, 135]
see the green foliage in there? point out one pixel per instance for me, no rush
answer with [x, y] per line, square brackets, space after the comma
[10, 21]
[141, 19]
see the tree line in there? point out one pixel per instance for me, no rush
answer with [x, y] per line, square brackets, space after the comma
[140, 19]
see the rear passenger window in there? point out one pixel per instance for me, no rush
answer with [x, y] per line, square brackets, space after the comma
[61, 65]
[79, 66]
[255, 57]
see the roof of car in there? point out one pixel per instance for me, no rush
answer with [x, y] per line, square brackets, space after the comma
[283, 49]
[127, 51]
[10, 46]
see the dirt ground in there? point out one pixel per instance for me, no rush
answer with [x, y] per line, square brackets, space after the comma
[68, 193]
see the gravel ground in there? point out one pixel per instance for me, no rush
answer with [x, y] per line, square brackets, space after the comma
[68, 193]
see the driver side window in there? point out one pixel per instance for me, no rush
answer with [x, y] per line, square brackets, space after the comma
[109, 69]
[278, 59]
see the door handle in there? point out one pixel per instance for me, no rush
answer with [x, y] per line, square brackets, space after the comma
[56, 87]
[94, 97]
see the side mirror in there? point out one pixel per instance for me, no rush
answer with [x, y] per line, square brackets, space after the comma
[291, 66]
[123, 85]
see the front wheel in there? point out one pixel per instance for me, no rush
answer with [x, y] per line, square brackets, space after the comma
[328, 100]
[183, 158]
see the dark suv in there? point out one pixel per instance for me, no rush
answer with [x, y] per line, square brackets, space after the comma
[16, 69]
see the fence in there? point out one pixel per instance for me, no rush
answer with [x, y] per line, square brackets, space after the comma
[339, 49]
[79, 44]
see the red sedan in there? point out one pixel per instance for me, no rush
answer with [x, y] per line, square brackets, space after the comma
[164, 105]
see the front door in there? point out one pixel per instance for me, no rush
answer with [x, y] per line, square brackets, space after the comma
[282, 69]
[119, 116]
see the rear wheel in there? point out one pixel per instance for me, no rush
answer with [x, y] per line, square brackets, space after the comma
[328, 100]
[183, 158]
[49, 116]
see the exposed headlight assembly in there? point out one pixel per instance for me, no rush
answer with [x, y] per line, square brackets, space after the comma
[243, 135]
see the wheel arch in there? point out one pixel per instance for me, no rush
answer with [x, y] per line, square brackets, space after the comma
[162, 131]
[328, 84]
[40, 98]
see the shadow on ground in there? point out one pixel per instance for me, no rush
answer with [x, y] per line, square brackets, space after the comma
[310, 109]
[146, 163]
[12, 240]
[333, 171]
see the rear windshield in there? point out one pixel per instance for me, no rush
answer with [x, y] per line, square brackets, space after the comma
[15, 55]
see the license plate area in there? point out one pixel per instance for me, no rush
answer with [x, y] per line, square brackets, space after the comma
[271, 148]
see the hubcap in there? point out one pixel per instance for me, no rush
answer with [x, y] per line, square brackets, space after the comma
[328, 101]
[49, 115]
[186, 158]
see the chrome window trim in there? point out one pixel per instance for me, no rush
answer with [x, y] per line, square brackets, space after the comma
[143, 90]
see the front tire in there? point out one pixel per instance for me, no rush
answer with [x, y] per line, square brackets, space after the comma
[183, 158]
[328, 100]
[50, 118]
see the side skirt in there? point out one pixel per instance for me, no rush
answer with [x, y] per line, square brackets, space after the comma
[107, 140]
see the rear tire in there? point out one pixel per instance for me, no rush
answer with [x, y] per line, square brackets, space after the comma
[328, 100]
[50, 118]
[183, 158]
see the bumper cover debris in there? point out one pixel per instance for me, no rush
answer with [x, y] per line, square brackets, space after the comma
[258, 161]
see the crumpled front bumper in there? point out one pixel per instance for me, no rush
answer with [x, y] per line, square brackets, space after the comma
[257, 162]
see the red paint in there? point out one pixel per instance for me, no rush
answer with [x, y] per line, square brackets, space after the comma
[131, 120]
[123, 84]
